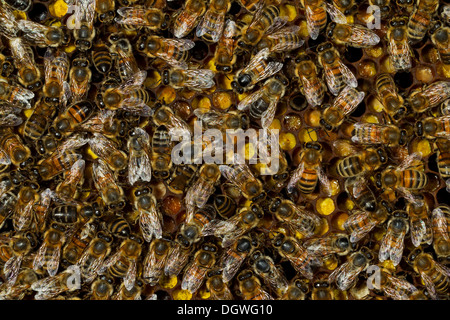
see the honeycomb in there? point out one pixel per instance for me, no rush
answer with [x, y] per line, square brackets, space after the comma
[298, 123]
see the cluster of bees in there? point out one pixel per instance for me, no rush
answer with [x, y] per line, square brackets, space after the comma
[88, 187]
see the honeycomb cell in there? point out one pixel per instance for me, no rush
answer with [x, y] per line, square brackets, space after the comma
[325, 206]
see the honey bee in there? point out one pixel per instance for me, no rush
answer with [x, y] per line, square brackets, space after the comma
[94, 256]
[161, 162]
[422, 99]
[193, 79]
[188, 18]
[195, 273]
[84, 32]
[440, 39]
[139, 163]
[155, 260]
[336, 243]
[29, 74]
[212, 119]
[218, 289]
[309, 171]
[101, 58]
[108, 151]
[50, 287]
[15, 95]
[316, 15]
[151, 18]
[201, 189]
[259, 68]
[399, 50]
[297, 290]
[392, 244]
[181, 178]
[112, 194]
[165, 116]
[434, 275]
[41, 209]
[352, 35]
[211, 25]
[178, 256]
[46, 145]
[21, 245]
[346, 274]
[80, 76]
[420, 19]
[225, 54]
[150, 218]
[70, 213]
[106, 123]
[41, 35]
[67, 121]
[264, 267]
[388, 96]
[235, 255]
[102, 288]
[105, 10]
[441, 238]
[13, 147]
[56, 66]
[420, 224]
[129, 293]
[25, 279]
[433, 127]
[126, 63]
[262, 104]
[26, 198]
[394, 287]
[298, 219]
[363, 162]
[250, 286]
[283, 40]
[360, 223]
[443, 150]
[117, 225]
[374, 134]
[343, 105]
[49, 253]
[300, 258]
[337, 74]
[36, 125]
[123, 263]
[74, 178]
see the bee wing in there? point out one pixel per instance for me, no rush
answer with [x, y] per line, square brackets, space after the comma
[8, 24]
[220, 227]
[277, 24]
[335, 14]
[349, 99]
[200, 78]
[314, 246]
[85, 11]
[272, 67]
[419, 230]
[215, 29]
[392, 246]
[139, 167]
[180, 44]
[431, 288]
[299, 221]
[349, 77]
[10, 120]
[344, 276]
[324, 180]
[32, 31]
[298, 172]
[101, 145]
[47, 288]
[11, 269]
[285, 45]
[331, 80]
[396, 292]
[150, 222]
[312, 94]
[23, 216]
[238, 175]
[208, 117]
[250, 99]
[39, 258]
[400, 54]
[132, 16]
[136, 106]
[363, 36]
[109, 262]
[368, 127]
[268, 115]
[76, 86]
[437, 92]
[230, 29]
[231, 264]
[313, 30]
[135, 82]
[20, 52]
[357, 219]
[439, 222]
[4, 158]
[53, 263]
[130, 277]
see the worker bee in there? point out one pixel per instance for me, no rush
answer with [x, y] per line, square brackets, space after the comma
[155, 260]
[56, 66]
[301, 260]
[388, 96]
[108, 151]
[161, 162]
[394, 287]
[225, 54]
[29, 75]
[420, 224]
[392, 244]
[363, 162]
[139, 164]
[309, 171]
[69, 188]
[212, 119]
[259, 68]
[151, 18]
[41, 35]
[129, 293]
[420, 19]
[218, 289]
[433, 127]
[172, 51]
[262, 104]
[335, 243]
[235, 255]
[52, 286]
[250, 286]
[166, 116]
[375, 133]
[101, 58]
[337, 74]
[84, 31]
[78, 240]
[150, 218]
[25, 279]
[264, 267]
[15, 95]
[121, 48]
[49, 253]
[211, 25]
[102, 288]
[178, 256]
[36, 125]
[195, 273]
[282, 40]
[105, 11]
[66, 122]
[343, 105]
[201, 189]
[440, 39]
[360, 223]
[298, 219]
[23, 216]
[188, 18]
[193, 79]
[80, 76]
[105, 183]
[297, 290]
[443, 150]
[422, 99]
[399, 50]
[352, 35]
[123, 263]
[107, 123]
[441, 239]
[15, 150]
[346, 274]
[41, 210]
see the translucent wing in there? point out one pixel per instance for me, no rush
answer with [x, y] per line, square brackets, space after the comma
[345, 275]
[313, 29]
[400, 54]
[220, 228]
[150, 222]
[396, 292]
[139, 164]
[348, 100]
[431, 288]
[324, 180]
[52, 65]
[310, 89]
[257, 62]
[298, 172]
[85, 11]
[286, 45]
[230, 30]
[231, 263]
[349, 77]
[392, 246]
[209, 118]
[10, 120]
[363, 36]
[23, 216]
[239, 174]
[11, 269]
[8, 24]
[33, 32]
[420, 228]
[335, 14]
[250, 99]
[268, 115]
[47, 288]
[179, 44]
[132, 16]
[440, 223]
[130, 277]
[200, 79]
[277, 24]
[360, 224]
[20, 52]
[135, 82]
[212, 23]
[197, 195]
